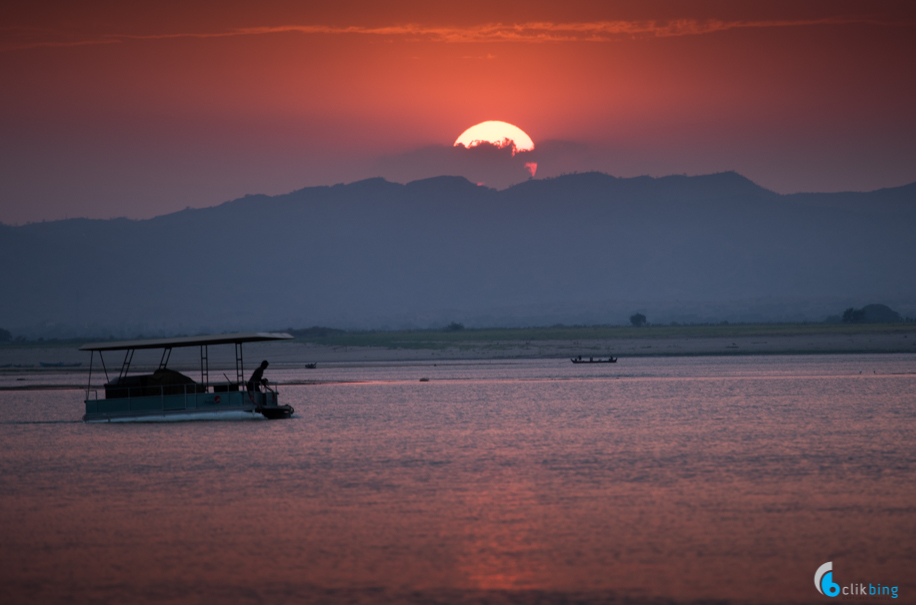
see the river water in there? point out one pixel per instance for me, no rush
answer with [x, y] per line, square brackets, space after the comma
[655, 480]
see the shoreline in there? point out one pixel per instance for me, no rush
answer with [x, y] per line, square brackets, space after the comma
[458, 347]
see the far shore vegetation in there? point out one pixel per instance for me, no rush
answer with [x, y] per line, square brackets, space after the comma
[449, 336]
[456, 334]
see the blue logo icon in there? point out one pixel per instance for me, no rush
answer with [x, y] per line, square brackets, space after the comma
[823, 580]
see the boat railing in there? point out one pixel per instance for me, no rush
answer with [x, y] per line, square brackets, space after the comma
[181, 396]
[117, 391]
[225, 387]
[267, 387]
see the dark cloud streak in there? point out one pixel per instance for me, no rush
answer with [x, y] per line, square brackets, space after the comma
[525, 32]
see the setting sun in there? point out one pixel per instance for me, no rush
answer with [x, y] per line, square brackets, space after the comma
[501, 134]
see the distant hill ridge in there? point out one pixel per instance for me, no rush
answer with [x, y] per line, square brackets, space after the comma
[579, 248]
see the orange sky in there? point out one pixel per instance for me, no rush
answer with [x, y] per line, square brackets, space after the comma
[110, 110]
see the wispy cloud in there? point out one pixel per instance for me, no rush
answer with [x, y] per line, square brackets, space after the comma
[534, 32]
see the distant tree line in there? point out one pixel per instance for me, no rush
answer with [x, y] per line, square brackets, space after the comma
[315, 332]
[638, 320]
[854, 316]
[871, 314]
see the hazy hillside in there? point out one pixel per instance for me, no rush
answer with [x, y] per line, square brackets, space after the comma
[584, 248]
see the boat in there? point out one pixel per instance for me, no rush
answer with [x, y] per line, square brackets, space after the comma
[311, 366]
[167, 395]
[580, 359]
[59, 364]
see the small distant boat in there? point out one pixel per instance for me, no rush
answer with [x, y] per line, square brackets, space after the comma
[59, 364]
[581, 359]
[311, 366]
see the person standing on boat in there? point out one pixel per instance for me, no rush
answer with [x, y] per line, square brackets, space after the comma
[257, 378]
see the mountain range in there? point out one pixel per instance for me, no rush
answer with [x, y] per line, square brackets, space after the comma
[576, 249]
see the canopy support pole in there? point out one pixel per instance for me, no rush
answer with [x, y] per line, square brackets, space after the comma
[125, 367]
[239, 364]
[89, 384]
[107, 379]
[166, 353]
[204, 366]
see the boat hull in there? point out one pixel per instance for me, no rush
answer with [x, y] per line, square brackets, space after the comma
[277, 412]
[230, 405]
[177, 417]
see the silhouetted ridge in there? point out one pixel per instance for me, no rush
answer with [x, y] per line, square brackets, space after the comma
[723, 184]
[575, 249]
[438, 184]
[713, 186]
[891, 200]
[374, 185]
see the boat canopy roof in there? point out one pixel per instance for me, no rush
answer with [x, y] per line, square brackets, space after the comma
[185, 341]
